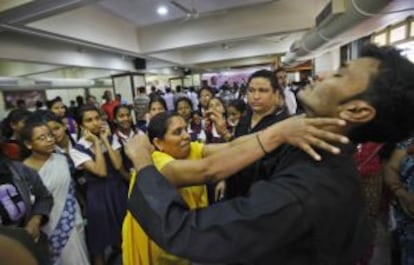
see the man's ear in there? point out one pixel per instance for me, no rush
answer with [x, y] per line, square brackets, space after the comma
[158, 143]
[357, 111]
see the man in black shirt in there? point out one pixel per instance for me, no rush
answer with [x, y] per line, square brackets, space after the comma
[304, 212]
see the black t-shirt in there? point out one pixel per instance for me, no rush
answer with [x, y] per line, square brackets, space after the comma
[240, 183]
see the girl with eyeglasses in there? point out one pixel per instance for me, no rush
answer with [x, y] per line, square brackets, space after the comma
[65, 228]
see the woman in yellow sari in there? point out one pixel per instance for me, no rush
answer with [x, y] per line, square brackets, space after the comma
[167, 132]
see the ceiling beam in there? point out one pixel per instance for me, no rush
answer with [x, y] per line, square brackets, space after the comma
[16, 46]
[93, 24]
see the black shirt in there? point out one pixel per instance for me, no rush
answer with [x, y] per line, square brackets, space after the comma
[240, 183]
[305, 212]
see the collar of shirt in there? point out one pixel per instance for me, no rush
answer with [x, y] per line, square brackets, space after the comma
[189, 130]
[124, 136]
[61, 150]
[82, 141]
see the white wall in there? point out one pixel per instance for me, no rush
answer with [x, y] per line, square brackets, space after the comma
[3, 112]
[139, 80]
[123, 86]
[66, 94]
[159, 81]
[98, 93]
[329, 61]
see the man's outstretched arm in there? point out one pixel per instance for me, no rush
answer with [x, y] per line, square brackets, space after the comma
[242, 229]
[218, 165]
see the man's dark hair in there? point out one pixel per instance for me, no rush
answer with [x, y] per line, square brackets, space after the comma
[158, 126]
[269, 75]
[39, 104]
[79, 100]
[142, 89]
[107, 94]
[20, 102]
[391, 92]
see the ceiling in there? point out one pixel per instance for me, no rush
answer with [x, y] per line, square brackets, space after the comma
[92, 39]
[143, 13]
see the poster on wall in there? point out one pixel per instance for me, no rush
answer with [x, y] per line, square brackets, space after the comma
[239, 76]
[30, 97]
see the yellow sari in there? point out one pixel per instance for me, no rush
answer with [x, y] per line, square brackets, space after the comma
[137, 247]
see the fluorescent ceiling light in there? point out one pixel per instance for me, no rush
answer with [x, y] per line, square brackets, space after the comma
[162, 10]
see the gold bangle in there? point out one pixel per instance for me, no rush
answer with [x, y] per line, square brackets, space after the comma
[260, 143]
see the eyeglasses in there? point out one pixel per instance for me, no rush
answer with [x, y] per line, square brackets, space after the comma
[45, 137]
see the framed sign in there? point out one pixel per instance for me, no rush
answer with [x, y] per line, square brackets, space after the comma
[29, 96]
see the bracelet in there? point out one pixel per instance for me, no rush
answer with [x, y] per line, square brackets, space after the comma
[260, 143]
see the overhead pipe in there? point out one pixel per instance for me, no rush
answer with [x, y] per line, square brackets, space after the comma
[356, 11]
[45, 83]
